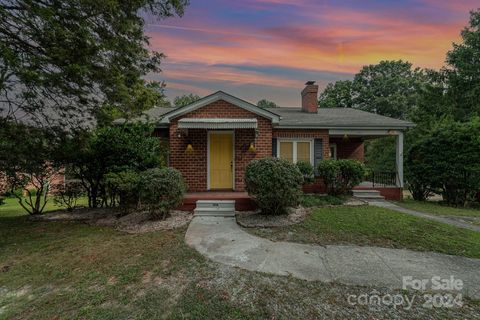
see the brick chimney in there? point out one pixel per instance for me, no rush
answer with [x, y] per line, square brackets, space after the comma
[309, 97]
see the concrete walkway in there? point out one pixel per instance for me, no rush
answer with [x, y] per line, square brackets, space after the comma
[222, 240]
[450, 221]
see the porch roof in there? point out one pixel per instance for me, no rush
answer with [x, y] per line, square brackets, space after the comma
[217, 123]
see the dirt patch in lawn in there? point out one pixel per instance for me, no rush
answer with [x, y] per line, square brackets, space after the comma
[136, 222]
[255, 219]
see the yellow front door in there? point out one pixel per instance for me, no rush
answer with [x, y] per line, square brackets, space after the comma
[221, 160]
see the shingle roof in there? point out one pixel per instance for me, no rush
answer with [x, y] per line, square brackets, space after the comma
[336, 118]
[293, 117]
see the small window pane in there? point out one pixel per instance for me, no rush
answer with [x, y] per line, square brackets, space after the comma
[286, 150]
[333, 152]
[303, 151]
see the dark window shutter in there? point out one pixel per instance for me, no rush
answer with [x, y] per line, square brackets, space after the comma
[274, 147]
[317, 153]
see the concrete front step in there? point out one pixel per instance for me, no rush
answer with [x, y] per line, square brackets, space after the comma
[367, 194]
[215, 208]
[216, 204]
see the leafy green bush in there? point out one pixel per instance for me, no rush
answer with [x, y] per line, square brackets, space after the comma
[340, 176]
[69, 194]
[307, 171]
[274, 183]
[161, 190]
[15, 193]
[124, 186]
[91, 155]
[447, 160]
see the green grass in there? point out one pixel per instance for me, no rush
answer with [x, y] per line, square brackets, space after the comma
[12, 208]
[439, 208]
[374, 226]
[313, 200]
[69, 270]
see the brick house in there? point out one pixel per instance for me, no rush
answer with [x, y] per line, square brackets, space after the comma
[213, 139]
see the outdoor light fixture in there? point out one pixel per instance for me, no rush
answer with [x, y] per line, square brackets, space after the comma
[392, 132]
[251, 147]
[345, 137]
[189, 148]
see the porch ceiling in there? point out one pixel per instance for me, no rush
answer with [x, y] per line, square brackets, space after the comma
[217, 123]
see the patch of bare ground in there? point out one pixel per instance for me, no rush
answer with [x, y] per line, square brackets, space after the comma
[275, 297]
[255, 219]
[135, 222]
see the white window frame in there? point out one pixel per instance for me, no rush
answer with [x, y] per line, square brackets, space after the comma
[295, 141]
[334, 153]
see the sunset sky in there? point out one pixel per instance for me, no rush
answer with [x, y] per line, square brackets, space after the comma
[258, 49]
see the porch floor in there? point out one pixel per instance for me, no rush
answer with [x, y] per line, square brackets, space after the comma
[243, 202]
[390, 192]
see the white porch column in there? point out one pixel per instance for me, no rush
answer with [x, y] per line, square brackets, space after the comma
[399, 158]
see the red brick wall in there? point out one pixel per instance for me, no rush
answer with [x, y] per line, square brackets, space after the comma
[353, 148]
[193, 166]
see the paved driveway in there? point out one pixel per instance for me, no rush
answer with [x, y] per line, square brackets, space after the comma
[222, 240]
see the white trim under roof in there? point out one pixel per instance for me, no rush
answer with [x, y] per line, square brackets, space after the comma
[220, 95]
[217, 123]
[364, 132]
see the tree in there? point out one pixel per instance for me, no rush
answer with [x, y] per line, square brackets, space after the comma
[447, 160]
[463, 71]
[264, 103]
[390, 88]
[112, 149]
[337, 95]
[23, 153]
[185, 100]
[73, 57]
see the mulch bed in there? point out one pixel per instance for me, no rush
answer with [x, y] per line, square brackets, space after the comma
[255, 219]
[136, 222]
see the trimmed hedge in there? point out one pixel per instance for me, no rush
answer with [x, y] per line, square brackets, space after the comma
[161, 190]
[275, 184]
[340, 176]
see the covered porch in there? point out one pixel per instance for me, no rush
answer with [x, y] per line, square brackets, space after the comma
[343, 146]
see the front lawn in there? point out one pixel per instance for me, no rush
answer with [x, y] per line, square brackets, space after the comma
[12, 208]
[69, 270]
[374, 226]
[436, 207]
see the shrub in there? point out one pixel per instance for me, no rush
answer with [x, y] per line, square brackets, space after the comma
[447, 160]
[15, 193]
[340, 176]
[91, 155]
[307, 171]
[26, 161]
[69, 194]
[275, 184]
[124, 186]
[161, 190]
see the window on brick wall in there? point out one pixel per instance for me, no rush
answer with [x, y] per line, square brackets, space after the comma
[295, 150]
[333, 151]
